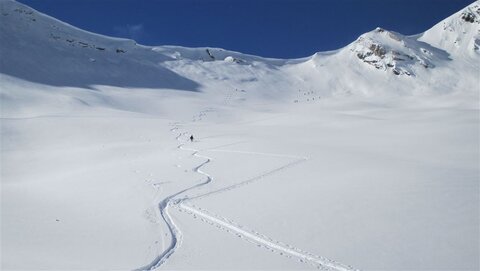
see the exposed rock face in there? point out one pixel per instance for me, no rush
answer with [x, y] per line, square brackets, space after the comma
[378, 50]
[210, 55]
[393, 52]
[472, 15]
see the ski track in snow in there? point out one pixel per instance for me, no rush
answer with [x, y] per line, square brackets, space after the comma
[175, 233]
[228, 225]
[263, 241]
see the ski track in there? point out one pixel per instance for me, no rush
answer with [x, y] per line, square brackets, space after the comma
[175, 233]
[228, 225]
[261, 240]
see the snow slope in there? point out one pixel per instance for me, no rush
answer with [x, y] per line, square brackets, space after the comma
[361, 158]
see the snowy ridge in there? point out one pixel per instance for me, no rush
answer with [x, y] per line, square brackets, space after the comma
[39, 47]
[459, 34]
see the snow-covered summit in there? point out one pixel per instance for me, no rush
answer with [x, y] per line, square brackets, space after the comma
[459, 34]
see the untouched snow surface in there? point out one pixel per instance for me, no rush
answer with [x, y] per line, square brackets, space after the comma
[362, 158]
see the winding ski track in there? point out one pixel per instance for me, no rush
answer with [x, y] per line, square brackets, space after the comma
[177, 201]
[164, 206]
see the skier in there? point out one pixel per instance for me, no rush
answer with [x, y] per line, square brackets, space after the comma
[191, 138]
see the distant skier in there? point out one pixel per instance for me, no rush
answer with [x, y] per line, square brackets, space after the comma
[191, 138]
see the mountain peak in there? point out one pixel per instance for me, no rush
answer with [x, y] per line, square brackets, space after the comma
[391, 51]
[458, 34]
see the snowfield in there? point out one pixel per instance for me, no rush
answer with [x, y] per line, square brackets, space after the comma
[364, 158]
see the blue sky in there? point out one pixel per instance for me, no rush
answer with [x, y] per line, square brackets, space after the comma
[269, 28]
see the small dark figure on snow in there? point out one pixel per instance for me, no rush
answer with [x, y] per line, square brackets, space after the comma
[191, 138]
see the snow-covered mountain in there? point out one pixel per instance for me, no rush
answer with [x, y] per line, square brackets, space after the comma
[459, 34]
[38, 48]
[365, 157]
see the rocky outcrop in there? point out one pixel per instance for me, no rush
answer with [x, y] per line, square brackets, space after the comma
[393, 52]
[471, 15]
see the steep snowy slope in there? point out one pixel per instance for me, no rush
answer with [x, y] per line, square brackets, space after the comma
[38, 48]
[459, 34]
